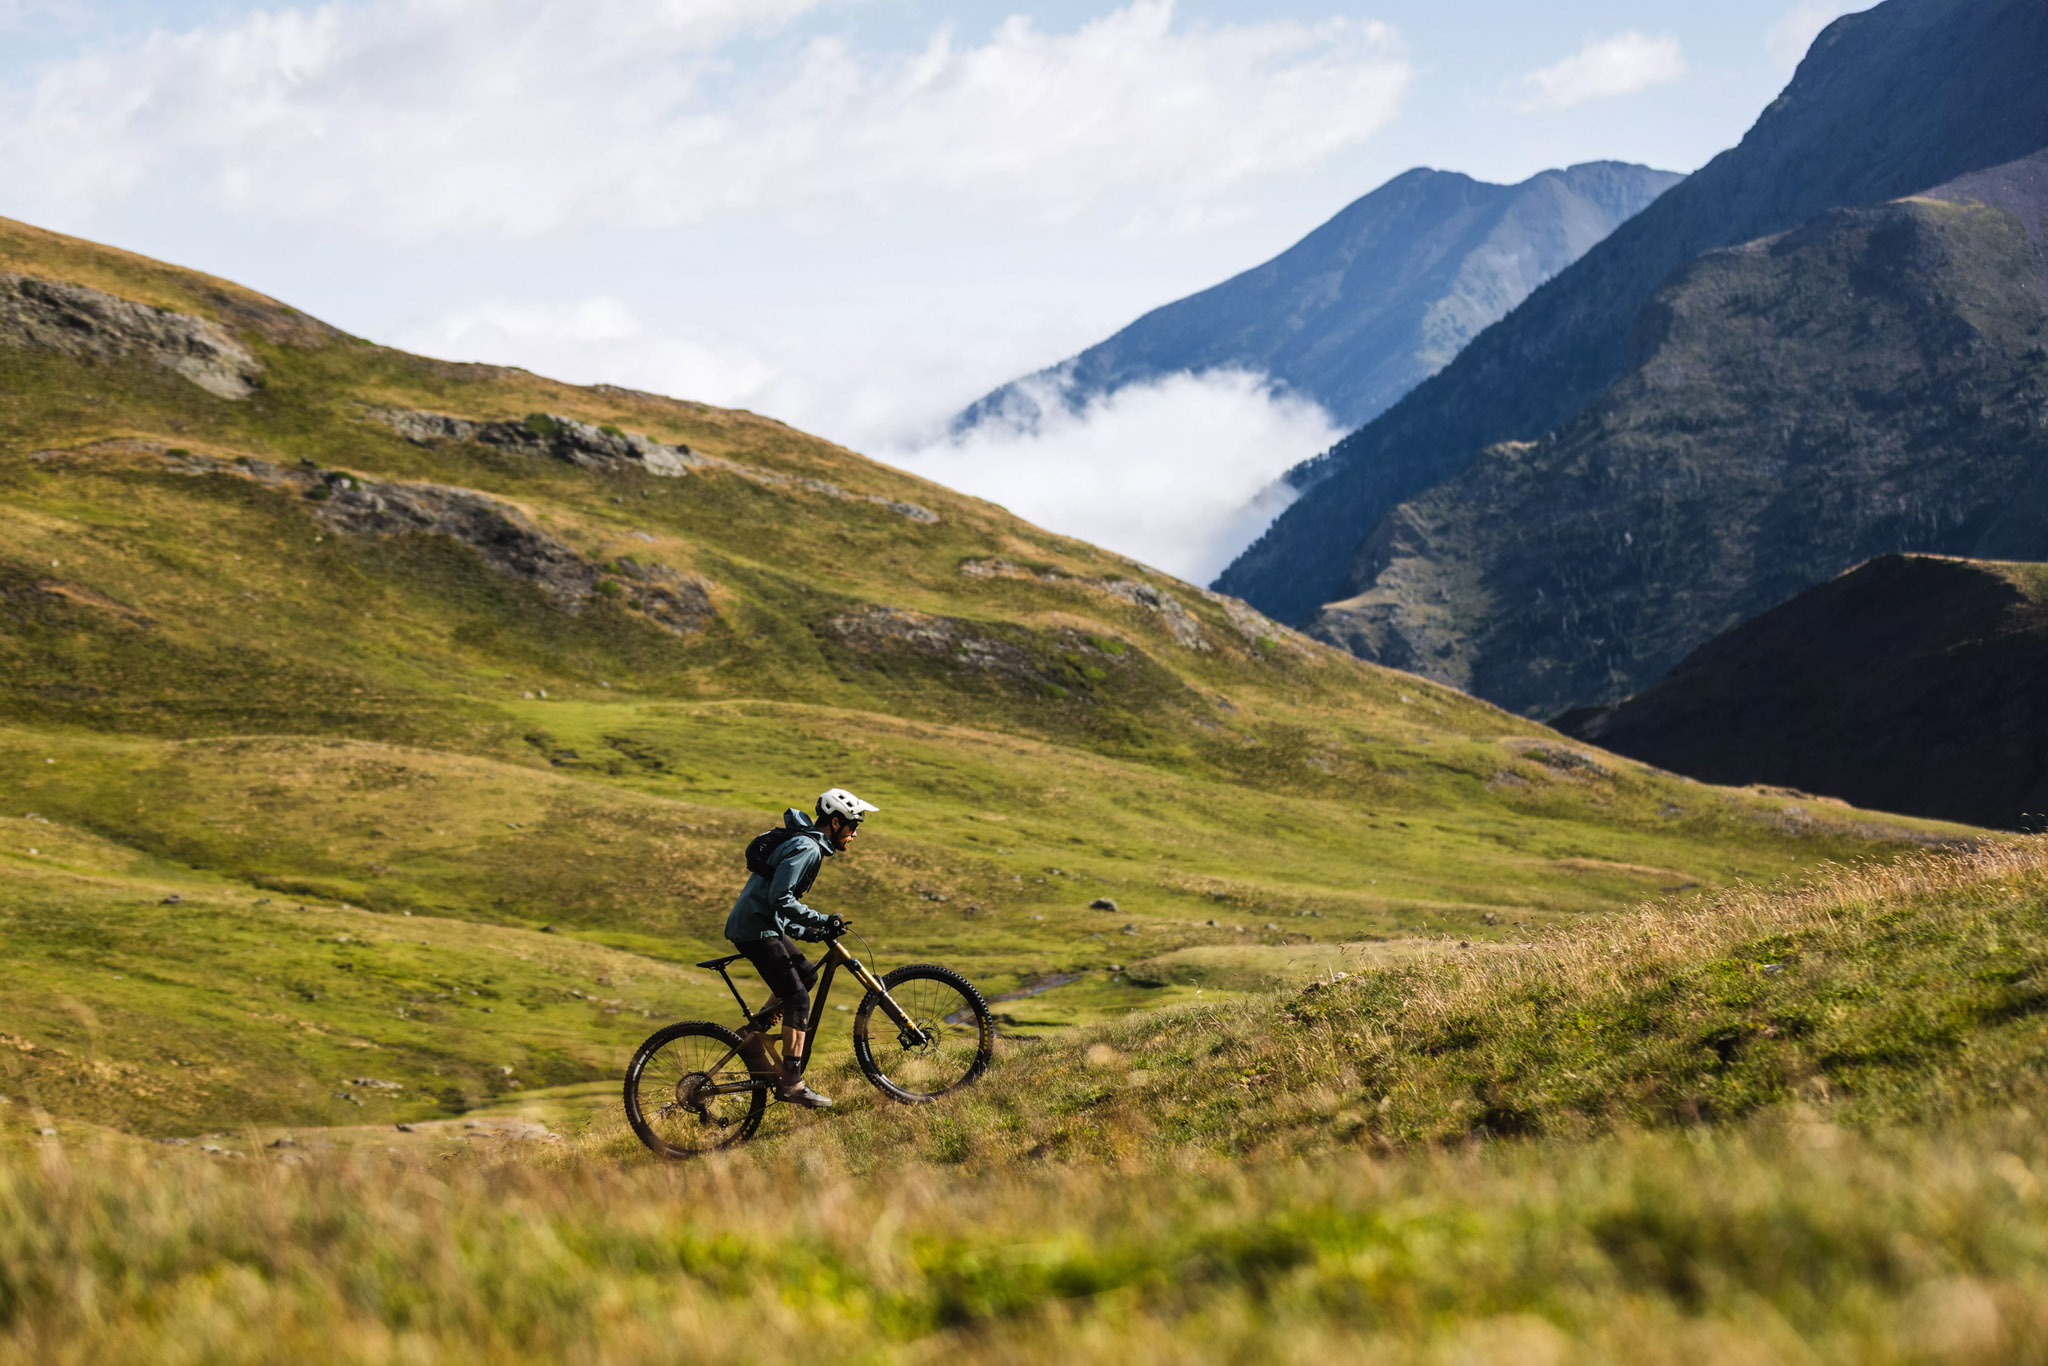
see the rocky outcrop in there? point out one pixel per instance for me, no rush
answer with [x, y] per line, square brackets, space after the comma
[500, 533]
[1178, 621]
[604, 448]
[1057, 663]
[1258, 630]
[550, 436]
[77, 321]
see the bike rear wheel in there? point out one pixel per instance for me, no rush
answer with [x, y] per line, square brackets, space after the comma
[955, 1041]
[688, 1092]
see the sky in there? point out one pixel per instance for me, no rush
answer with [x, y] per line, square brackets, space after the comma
[853, 215]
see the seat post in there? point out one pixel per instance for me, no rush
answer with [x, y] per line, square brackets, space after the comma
[735, 992]
[719, 965]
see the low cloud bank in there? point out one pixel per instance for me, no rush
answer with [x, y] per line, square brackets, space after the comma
[1178, 473]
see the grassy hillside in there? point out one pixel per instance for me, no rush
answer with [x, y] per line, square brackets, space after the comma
[1801, 1124]
[1912, 682]
[494, 676]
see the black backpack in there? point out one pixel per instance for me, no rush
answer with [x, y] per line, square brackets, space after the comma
[764, 851]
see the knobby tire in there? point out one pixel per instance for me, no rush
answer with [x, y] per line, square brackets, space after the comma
[940, 1001]
[661, 1102]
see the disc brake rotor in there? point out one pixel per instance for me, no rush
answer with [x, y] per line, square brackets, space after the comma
[915, 1038]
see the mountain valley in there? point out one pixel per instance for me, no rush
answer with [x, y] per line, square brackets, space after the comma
[416, 646]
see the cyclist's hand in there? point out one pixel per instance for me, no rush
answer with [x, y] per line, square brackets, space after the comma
[834, 926]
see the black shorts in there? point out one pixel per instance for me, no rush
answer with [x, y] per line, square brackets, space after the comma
[787, 972]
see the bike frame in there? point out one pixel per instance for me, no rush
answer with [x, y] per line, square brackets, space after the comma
[836, 957]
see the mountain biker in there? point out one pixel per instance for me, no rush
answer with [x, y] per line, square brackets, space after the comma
[770, 913]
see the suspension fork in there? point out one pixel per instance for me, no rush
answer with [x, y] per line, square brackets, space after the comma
[835, 956]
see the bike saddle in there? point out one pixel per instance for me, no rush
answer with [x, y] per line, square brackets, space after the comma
[716, 963]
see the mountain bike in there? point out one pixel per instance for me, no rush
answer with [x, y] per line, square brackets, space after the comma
[688, 1091]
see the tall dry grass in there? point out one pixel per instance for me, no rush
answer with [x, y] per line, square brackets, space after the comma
[1886, 993]
[1789, 1239]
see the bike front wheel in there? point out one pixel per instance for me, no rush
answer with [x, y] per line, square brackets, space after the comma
[949, 1041]
[688, 1092]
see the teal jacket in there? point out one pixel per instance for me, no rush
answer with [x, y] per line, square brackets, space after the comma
[768, 907]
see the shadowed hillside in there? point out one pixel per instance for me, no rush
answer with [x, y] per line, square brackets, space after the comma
[1870, 383]
[1911, 683]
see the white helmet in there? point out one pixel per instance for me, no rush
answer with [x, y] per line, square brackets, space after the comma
[837, 801]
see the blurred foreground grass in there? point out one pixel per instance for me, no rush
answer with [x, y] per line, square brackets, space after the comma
[1787, 1240]
[1790, 1125]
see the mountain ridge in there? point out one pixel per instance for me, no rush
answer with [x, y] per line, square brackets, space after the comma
[1867, 383]
[1364, 306]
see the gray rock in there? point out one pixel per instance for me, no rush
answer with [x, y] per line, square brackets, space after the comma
[423, 429]
[1102, 903]
[51, 315]
[499, 532]
[1179, 623]
[555, 437]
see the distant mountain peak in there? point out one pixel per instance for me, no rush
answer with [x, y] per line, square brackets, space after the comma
[1367, 305]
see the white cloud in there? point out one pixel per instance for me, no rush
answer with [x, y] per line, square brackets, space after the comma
[1178, 473]
[413, 119]
[1795, 30]
[16, 14]
[599, 340]
[907, 378]
[1605, 67]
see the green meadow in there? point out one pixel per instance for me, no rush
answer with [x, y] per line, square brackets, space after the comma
[1801, 1124]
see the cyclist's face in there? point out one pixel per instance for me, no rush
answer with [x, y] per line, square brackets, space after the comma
[842, 832]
